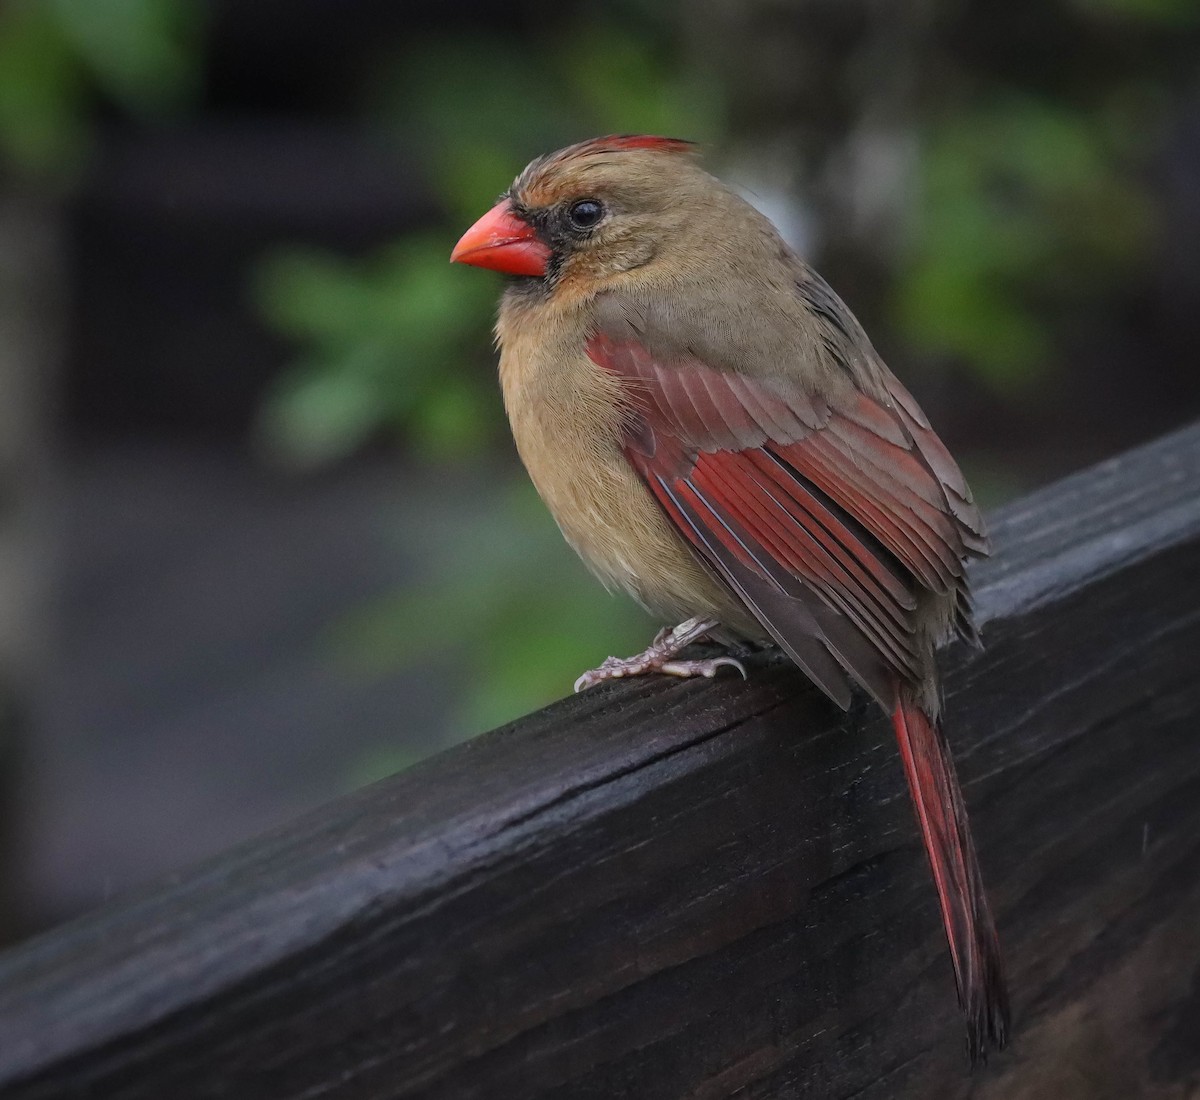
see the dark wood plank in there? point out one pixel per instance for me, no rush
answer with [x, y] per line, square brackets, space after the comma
[706, 890]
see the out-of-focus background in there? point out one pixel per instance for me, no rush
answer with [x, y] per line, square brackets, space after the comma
[263, 536]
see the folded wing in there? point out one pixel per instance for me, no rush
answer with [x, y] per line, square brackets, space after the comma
[830, 519]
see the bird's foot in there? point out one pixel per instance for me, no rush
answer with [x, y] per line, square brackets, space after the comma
[662, 657]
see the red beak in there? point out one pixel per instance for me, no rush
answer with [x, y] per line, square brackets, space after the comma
[503, 242]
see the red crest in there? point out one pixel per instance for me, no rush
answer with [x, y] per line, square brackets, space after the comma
[615, 143]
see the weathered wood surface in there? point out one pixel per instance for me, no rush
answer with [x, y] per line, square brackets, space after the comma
[672, 889]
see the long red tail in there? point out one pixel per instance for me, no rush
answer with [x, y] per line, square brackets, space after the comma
[970, 930]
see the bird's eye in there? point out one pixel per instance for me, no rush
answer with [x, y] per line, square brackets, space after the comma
[585, 214]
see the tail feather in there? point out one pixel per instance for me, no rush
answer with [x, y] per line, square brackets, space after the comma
[970, 930]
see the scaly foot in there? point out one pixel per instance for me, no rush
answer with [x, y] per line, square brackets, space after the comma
[661, 657]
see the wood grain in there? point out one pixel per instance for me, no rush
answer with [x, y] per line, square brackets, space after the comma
[709, 889]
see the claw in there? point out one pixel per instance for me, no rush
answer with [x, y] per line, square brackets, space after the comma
[707, 668]
[660, 657]
[589, 679]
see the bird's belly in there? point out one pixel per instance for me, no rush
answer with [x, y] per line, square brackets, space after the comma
[613, 523]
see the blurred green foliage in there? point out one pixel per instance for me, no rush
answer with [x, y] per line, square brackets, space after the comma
[383, 341]
[1025, 207]
[1033, 202]
[58, 56]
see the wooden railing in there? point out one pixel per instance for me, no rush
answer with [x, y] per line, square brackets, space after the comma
[664, 889]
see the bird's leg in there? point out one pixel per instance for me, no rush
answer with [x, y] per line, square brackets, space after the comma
[660, 657]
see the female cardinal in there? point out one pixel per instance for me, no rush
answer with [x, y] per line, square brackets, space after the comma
[714, 433]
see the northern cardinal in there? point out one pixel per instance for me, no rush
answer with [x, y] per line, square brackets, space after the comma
[714, 433]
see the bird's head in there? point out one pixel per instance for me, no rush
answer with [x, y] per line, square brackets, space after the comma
[592, 212]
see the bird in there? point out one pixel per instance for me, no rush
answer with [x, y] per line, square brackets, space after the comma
[713, 432]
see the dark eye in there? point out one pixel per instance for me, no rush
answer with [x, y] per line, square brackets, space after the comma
[585, 214]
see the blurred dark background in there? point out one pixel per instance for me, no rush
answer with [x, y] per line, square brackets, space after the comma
[263, 536]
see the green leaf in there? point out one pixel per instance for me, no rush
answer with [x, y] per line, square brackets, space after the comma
[454, 419]
[1025, 206]
[42, 92]
[318, 416]
[144, 53]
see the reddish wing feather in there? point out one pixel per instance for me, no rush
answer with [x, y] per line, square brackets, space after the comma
[835, 507]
